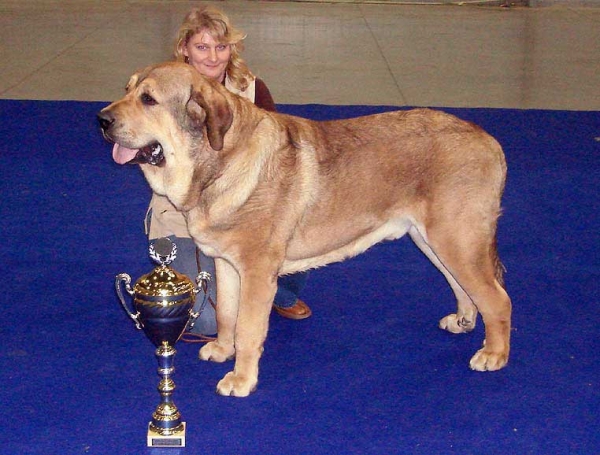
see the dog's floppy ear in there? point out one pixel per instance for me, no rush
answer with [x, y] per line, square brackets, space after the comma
[217, 117]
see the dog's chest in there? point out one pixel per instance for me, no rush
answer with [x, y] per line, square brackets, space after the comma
[207, 234]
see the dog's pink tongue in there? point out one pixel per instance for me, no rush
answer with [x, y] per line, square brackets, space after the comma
[122, 154]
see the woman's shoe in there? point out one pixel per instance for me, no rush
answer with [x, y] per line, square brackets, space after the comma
[299, 310]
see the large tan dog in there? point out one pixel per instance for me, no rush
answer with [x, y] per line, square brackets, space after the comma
[268, 194]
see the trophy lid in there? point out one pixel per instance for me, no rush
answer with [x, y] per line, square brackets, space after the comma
[164, 283]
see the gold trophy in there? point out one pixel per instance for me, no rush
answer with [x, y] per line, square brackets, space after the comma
[164, 301]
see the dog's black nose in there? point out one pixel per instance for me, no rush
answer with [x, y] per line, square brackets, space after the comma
[105, 120]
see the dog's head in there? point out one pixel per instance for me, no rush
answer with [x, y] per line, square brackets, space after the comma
[168, 111]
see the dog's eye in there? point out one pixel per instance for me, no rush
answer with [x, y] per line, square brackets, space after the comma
[148, 100]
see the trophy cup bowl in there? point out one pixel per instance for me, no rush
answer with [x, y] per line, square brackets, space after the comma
[163, 301]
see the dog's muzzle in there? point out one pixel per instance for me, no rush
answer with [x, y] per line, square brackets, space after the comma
[150, 154]
[106, 120]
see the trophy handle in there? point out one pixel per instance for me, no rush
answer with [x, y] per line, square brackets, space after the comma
[123, 277]
[202, 280]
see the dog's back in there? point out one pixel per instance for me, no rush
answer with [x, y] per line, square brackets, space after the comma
[374, 176]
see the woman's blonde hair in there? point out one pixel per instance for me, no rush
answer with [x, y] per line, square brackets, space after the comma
[217, 24]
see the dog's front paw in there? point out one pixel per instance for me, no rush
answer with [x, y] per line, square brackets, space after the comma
[487, 360]
[235, 385]
[452, 323]
[216, 352]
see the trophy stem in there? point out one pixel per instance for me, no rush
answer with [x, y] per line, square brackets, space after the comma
[166, 428]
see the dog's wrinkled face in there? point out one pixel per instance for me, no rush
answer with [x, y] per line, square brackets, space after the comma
[167, 107]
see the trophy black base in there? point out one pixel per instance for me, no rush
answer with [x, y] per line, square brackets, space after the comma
[176, 439]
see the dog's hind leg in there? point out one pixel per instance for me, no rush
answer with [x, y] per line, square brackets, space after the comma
[465, 318]
[468, 261]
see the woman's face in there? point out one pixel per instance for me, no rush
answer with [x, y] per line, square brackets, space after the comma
[208, 56]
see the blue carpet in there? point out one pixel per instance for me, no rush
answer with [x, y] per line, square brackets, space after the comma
[369, 373]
